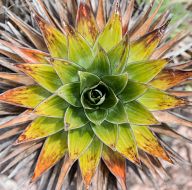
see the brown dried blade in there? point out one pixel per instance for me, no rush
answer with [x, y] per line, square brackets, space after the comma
[174, 155]
[159, 167]
[100, 18]
[72, 6]
[11, 55]
[12, 132]
[11, 66]
[168, 117]
[183, 65]
[67, 164]
[142, 19]
[127, 16]
[145, 27]
[15, 151]
[166, 130]
[17, 78]
[6, 109]
[32, 34]
[22, 156]
[52, 20]
[181, 93]
[160, 20]
[162, 50]
[22, 118]
[145, 160]
[11, 39]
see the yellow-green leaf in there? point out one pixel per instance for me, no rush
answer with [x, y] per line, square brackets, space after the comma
[154, 99]
[169, 78]
[132, 91]
[138, 114]
[118, 56]
[89, 161]
[143, 48]
[148, 142]
[126, 144]
[112, 33]
[101, 64]
[54, 106]
[70, 93]
[97, 116]
[79, 140]
[43, 74]
[74, 118]
[53, 150]
[86, 23]
[67, 71]
[116, 82]
[117, 114]
[145, 71]
[25, 96]
[87, 80]
[40, 128]
[55, 40]
[79, 50]
[107, 133]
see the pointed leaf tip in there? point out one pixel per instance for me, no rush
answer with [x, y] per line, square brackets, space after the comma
[86, 23]
[89, 161]
[43, 74]
[59, 48]
[40, 128]
[148, 142]
[53, 150]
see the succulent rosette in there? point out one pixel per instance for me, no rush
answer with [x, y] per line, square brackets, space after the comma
[94, 93]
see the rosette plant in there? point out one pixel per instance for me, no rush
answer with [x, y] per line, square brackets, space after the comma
[91, 90]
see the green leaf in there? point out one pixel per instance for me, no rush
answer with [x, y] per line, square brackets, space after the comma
[87, 80]
[100, 65]
[25, 96]
[118, 56]
[132, 91]
[112, 33]
[43, 74]
[117, 114]
[110, 100]
[55, 40]
[71, 93]
[40, 128]
[79, 140]
[138, 114]
[74, 118]
[148, 142]
[86, 23]
[79, 50]
[116, 82]
[67, 71]
[96, 116]
[145, 71]
[53, 150]
[89, 161]
[107, 133]
[126, 144]
[155, 99]
[54, 106]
